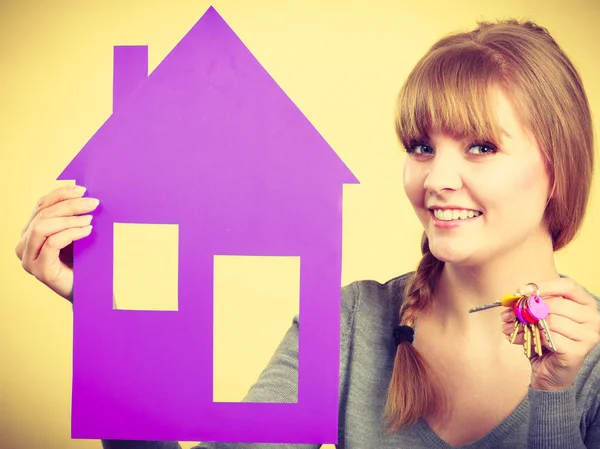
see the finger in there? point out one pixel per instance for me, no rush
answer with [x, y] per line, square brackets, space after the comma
[574, 311]
[565, 287]
[569, 329]
[42, 229]
[564, 345]
[49, 252]
[54, 197]
[507, 316]
[508, 329]
[68, 208]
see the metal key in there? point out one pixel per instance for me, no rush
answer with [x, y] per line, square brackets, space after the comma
[527, 340]
[521, 315]
[537, 339]
[546, 332]
[506, 301]
[538, 309]
[515, 332]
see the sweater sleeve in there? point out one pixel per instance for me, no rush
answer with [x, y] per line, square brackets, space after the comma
[568, 418]
[553, 420]
[278, 382]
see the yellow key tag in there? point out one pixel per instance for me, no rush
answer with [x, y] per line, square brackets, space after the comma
[510, 299]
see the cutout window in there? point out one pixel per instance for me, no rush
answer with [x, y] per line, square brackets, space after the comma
[145, 264]
[247, 332]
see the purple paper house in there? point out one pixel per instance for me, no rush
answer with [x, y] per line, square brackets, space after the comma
[211, 143]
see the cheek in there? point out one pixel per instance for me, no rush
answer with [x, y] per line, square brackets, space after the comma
[518, 193]
[531, 189]
[413, 183]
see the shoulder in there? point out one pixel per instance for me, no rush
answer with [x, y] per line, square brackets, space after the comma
[370, 309]
[371, 294]
[370, 312]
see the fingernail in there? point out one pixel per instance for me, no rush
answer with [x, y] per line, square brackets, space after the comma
[79, 190]
[93, 202]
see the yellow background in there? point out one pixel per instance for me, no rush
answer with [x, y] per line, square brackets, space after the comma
[341, 61]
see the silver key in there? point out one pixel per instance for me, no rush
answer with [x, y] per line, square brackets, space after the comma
[546, 332]
[506, 301]
[537, 340]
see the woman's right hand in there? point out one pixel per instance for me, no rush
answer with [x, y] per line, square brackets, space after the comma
[46, 245]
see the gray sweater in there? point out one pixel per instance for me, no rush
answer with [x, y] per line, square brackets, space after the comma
[566, 419]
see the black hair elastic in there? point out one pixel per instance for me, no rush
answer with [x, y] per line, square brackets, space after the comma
[404, 333]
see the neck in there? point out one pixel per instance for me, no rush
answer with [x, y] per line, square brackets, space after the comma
[462, 287]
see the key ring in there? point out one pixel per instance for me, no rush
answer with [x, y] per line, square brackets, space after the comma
[537, 289]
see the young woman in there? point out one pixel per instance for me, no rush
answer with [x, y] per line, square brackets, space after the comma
[499, 138]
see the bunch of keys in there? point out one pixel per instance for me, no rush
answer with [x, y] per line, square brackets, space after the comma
[530, 313]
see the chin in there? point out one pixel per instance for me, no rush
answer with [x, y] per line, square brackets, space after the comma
[454, 256]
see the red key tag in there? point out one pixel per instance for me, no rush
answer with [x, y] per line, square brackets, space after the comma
[526, 313]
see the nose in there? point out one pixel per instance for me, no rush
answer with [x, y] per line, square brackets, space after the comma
[442, 173]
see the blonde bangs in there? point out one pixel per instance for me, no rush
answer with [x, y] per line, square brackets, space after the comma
[450, 91]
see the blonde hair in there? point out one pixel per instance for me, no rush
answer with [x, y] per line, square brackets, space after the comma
[450, 88]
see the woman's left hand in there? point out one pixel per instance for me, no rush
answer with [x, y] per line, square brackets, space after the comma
[574, 324]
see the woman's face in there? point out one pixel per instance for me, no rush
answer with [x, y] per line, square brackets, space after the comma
[476, 201]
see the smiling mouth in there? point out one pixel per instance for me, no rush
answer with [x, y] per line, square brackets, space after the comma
[455, 214]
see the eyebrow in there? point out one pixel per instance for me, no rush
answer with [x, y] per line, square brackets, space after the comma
[505, 133]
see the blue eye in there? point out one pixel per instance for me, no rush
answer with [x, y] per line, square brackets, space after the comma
[420, 150]
[482, 149]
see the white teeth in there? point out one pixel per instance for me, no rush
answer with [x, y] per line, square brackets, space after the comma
[455, 214]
